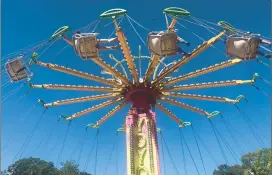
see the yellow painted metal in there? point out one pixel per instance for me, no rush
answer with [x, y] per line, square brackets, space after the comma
[208, 85]
[185, 59]
[79, 73]
[82, 99]
[77, 88]
[112, 70]
[155, 58]
[142, 148]
[111, 113]
[199, 97]
[173, 23]
[126, 51]
[94, 108]
[154, 62]
[186, 106]
[203, 71]
[169, 113]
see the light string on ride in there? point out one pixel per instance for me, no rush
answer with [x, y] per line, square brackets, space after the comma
[182, 137]
[169, 154]
[63, 145]
[27, 140]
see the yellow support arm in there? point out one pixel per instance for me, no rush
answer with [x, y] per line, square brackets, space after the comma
[109, 114]
[82, 99]
[203, 71]
[209, 85]
[185, 59]
[76, 88]
[185, 106]
[112, 70]
[155, 58]
[126, 51]
[94, 108]
[169, 113]
[200, 97]
[78, 73]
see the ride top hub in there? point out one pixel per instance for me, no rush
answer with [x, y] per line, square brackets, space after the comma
[142, 96]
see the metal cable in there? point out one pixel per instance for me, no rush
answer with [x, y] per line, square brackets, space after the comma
[239, 148]
[171, 158]
[189, 151]
[221, 148]
[183, 155]
[90, 153]
[226, 144]
[136, 32]
[163, 159]
[207, 149]
[27, 140]
[199, 152]
[62, 145]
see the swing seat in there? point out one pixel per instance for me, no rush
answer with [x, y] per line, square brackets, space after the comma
[17, 69]
[242, 47]
[163, 43]
[86, 45]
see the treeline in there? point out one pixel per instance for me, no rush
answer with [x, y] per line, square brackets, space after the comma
[255, 163]
[36, 166]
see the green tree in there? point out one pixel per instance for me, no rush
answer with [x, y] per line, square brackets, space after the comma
[71, 168]
[32, 166]
[229, 170]
[259, 162]
[256, 163]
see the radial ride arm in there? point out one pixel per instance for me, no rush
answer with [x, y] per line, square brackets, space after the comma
[186, 59]
[82, 99]
[191, 108]
[109, 114]
[94, 108]
[78, 73]
[126, 51]
[203, 71]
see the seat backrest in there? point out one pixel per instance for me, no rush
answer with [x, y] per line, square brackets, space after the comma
[16, 70]
[86, 45]
[242, 47]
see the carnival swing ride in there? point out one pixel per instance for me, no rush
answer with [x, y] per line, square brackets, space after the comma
[144, 93]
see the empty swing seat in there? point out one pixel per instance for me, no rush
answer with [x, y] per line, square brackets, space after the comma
[86, 45]
[16, 69]
[163, 43]
[242, 47]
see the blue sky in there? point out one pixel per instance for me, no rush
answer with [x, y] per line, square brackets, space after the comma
[27, 22]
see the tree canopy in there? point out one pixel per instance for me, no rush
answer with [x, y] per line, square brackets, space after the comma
[36, 166]
[255, 163]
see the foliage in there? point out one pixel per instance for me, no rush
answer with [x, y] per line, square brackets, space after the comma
[31, 166]
[256, 163]
[229, 170]
[35, 166]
